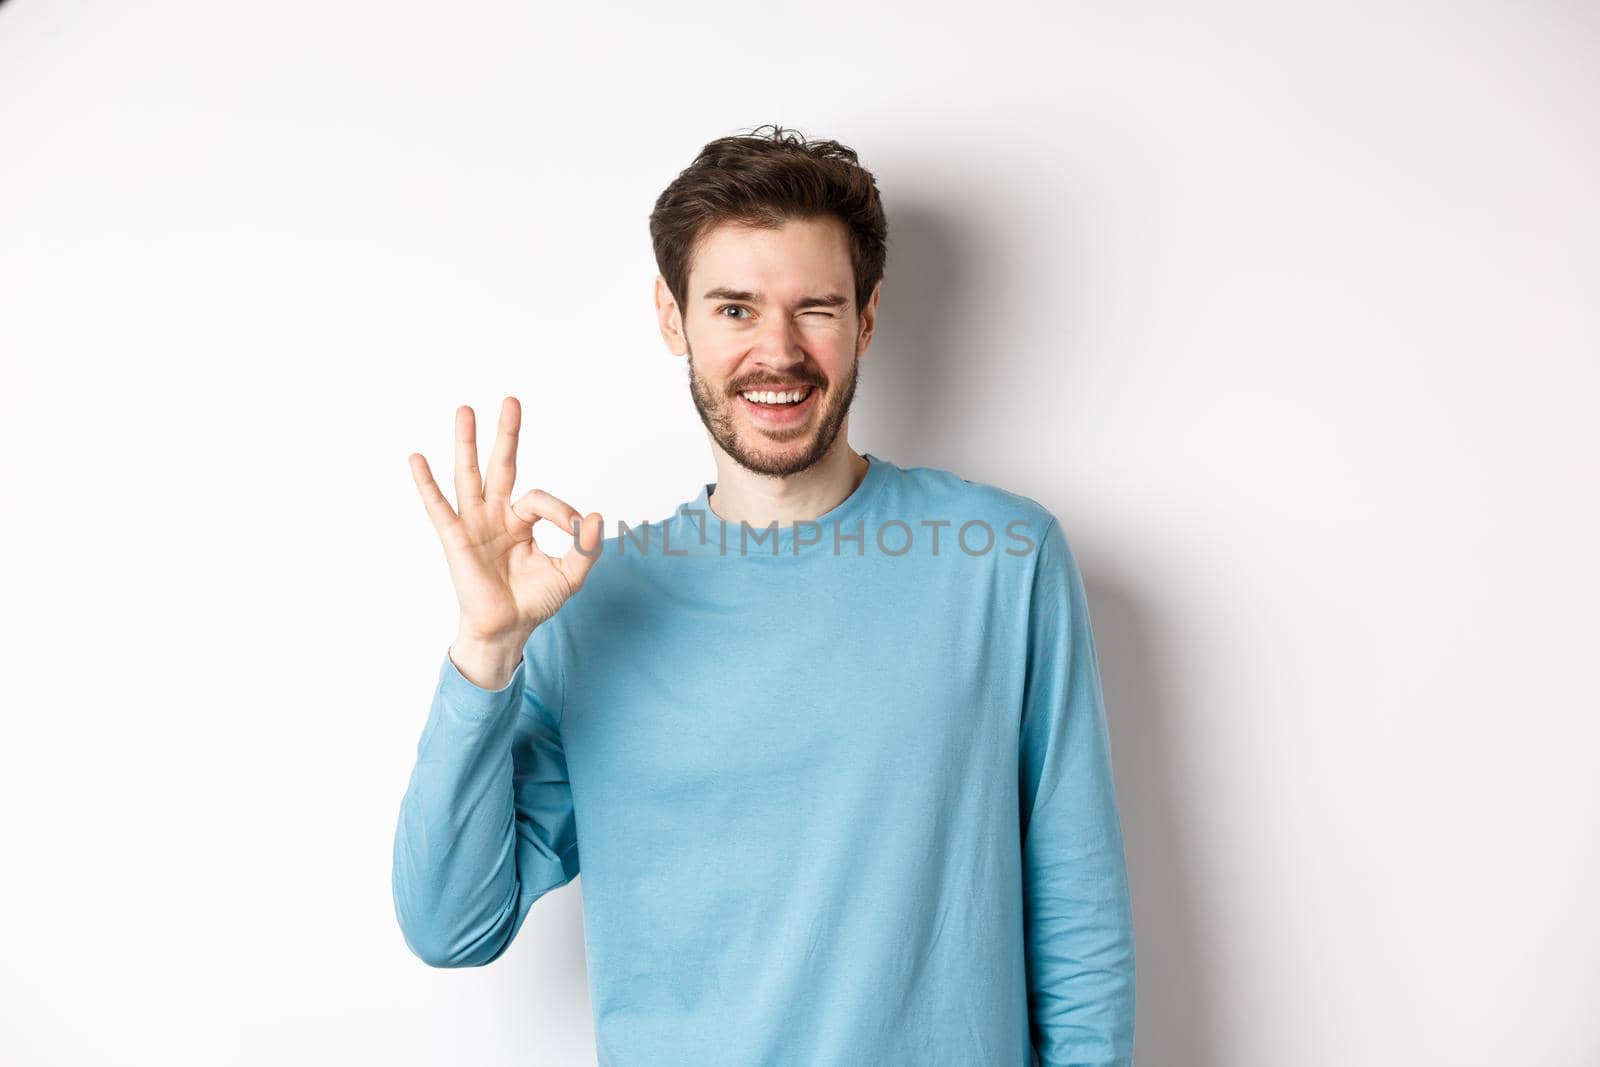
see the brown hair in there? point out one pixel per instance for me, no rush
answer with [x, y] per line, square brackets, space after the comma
[767, 180]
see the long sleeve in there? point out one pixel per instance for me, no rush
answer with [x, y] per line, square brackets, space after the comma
[1077, 908]
[486, 826]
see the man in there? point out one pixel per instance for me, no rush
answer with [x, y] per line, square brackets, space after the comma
[829, 739]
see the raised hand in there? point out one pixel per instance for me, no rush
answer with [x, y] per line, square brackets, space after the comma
[505, 584]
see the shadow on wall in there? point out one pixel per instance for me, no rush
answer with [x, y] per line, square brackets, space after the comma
[909, 391]
[1174, 1014]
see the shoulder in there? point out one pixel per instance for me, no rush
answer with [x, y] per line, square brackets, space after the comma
[939, 494]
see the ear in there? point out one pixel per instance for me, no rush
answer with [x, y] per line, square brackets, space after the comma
[868, 319]
[670, 318]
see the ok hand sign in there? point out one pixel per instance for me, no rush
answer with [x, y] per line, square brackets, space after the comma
[505, 584]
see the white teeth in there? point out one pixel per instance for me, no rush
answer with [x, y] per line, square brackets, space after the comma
[766, 396]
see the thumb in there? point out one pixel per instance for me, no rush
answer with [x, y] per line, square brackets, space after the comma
[586, 549]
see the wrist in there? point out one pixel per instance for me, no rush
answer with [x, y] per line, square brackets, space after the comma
[486, 662]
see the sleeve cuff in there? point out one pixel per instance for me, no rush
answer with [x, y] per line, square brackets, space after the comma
[472, 700]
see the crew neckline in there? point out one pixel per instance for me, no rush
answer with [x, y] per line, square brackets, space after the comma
[709, 532]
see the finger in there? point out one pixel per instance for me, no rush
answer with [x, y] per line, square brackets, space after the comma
[537, 504]
[439, 510]
[575, 564]
[502, 472]
[469, 484]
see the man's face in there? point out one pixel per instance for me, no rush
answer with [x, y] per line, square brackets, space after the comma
[773, 309]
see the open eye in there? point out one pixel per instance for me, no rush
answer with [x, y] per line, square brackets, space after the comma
[736, 307]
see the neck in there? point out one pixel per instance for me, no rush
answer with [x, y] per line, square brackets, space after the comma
[760, 499]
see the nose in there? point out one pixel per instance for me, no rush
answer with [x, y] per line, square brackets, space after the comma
[777, 345]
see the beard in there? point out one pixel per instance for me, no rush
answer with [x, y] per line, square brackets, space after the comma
[721, 418]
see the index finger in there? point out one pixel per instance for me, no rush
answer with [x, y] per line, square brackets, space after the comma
[537, 504]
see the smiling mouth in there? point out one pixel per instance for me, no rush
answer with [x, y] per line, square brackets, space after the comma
[784, 410]
[778, 398]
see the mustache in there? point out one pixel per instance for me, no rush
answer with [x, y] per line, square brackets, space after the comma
[775, 386]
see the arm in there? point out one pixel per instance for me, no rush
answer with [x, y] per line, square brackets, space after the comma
[1077, 909]
[487, 825]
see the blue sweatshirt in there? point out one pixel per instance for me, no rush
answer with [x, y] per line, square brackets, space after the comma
[840, 791]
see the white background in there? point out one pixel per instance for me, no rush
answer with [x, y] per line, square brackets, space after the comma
[1287, 311]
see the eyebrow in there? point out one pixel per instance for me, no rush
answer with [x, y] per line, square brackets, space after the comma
[831, 300]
